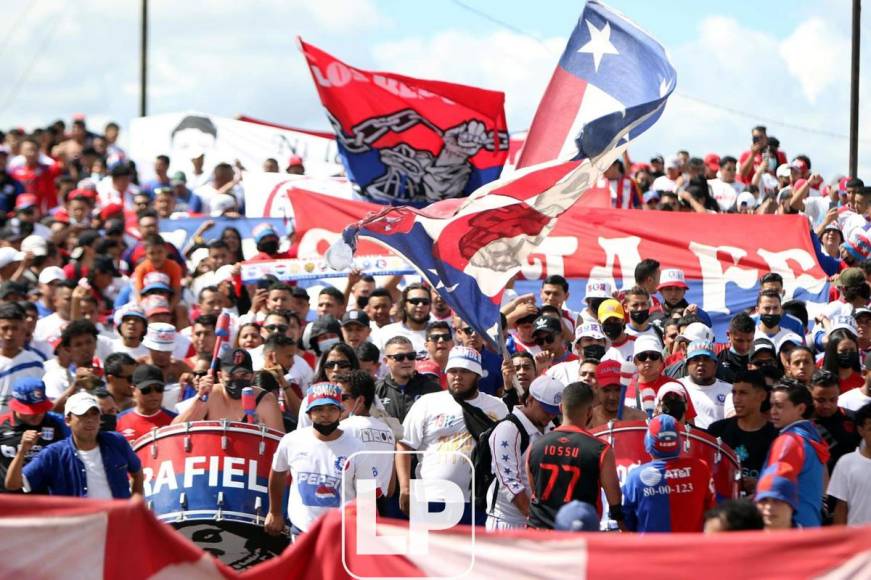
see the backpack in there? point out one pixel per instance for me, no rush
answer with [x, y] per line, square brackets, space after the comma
[482, 456]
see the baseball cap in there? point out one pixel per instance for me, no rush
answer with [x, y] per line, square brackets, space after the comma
[777, 481]
[673, 162]
[147, 376]
[701, 348]
[608, 372]
[235, 359]
[110, 210]
[222, 203]
[160, 336]
[577, 516]
[651, 195]
[80, 403]
[850, 278]
[322, 394]
[326, 324]
[51, 274]
[462, 357]
[598, 289]
[783, 170]
[263, 230]
[661, 439]
[10, 288]
[355, 317]
[127, 311]
[295, 160]
[672, 388]
[657, 159]
[34, 244]
[9, 255]
[646, 343]
[547, 324]
[842, 322]
[696, 331]
[857, 245]
[712, 161]
[25, 201]
[155, 281]
[589, 330]
[788, 337]
[548, 392]
[672, 277]
[28, 397]
[178, 178]
[610, 308]
[746, 198]
[860, 311]
[155, 304]
[762, 344]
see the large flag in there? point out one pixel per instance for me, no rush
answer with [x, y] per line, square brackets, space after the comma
[470, 249]
[410, 141]
[610, 74]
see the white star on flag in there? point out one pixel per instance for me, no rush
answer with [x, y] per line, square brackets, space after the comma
[440, 284]
[599, 44]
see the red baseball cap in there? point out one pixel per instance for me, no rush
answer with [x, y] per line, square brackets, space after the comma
[608, 373]
[712, 161]
[26, 200]
[110, 210]
[294, 160]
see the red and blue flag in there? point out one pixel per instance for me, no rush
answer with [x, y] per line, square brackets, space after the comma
[410, 141]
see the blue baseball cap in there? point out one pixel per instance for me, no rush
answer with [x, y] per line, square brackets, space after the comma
[263, 230]
[662, 440]
[28, 397]
[778, 481]
[701, 348]
[577, 516]
[323, 394]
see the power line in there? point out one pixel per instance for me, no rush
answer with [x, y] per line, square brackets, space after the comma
[731, 110]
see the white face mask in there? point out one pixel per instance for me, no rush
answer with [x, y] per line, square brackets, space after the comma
[326, 343]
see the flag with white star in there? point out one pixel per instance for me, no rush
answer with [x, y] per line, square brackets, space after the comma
[612, 75]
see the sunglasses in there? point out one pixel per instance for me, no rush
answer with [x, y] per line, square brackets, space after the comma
[468, 331]
[337, 364]
[401, 356]
[542, 340]
[346, 397]
[201, 374]
[648, 356]
[419, 301]
[440, 338]
[152, 389]
[279, 328]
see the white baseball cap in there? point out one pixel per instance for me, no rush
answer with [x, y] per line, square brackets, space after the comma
[746, 198]
[788, 337]
[80, 403]
[598, 289]
[697, 332]
[51, 274]
[646, 343]
[589, 330]
[672, 277]
[221, 203]
[462, 357]
[672, 387]
[35, 245]
[160, 336]
[842, 322]
[548, 392]
[784, 170]
[9, 255]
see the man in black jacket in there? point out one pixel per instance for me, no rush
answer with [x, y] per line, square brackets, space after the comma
[403, 385]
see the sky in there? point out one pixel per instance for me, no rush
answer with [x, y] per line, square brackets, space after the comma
[784, 64]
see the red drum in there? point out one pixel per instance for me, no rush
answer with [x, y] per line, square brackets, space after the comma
[208, 479]
[627, 439]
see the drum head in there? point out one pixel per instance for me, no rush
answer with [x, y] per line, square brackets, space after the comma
[236, 544]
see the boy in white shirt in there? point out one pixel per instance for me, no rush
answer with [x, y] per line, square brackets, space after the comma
[851, 478]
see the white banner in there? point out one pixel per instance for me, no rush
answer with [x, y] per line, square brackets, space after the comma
[267, 194]
[183, 136]
[317, 269]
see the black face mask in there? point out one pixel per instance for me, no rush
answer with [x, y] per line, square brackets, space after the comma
[596, 351]
[270, 247]
[613, 330]
[327, 429]
[108, 422]
[234, 387]
[848, 360]
[639, 316]
[770, 320]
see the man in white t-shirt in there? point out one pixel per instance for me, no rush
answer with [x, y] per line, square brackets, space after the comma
[414, 313]
[708, 393]
[851, 478]
[590, 343]
[317, 458]
[15, 362]
[725, 188]
[435, 427]
[375, 435]
[508, 495]
[855, 399]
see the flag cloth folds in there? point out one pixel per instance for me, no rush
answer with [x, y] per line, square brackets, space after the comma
[468, 250]
[611, 74]
[410, 141]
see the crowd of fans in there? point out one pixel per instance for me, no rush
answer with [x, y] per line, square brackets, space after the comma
[108, 331]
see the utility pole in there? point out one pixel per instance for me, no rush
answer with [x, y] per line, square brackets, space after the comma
[143, 62]
[854, 91]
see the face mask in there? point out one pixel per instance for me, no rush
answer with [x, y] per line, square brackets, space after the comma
[639, 316]
[596, 351]
[327, 429]
[234, 387]
[325, 344]
[848, 360]
[770, 320]
[108, 422]
[270, 247]
[613, 330]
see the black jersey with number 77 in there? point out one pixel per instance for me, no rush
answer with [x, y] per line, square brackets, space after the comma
[564, 465]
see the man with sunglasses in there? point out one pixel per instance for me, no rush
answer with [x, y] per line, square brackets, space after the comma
[147, 413]
[439, 342]
[491, 380]
[402, 385]
[650, 365]
[708, 394]
[414, 314]
[547, 333]
[119, 367]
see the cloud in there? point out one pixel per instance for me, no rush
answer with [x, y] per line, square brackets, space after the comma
[812, 54]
